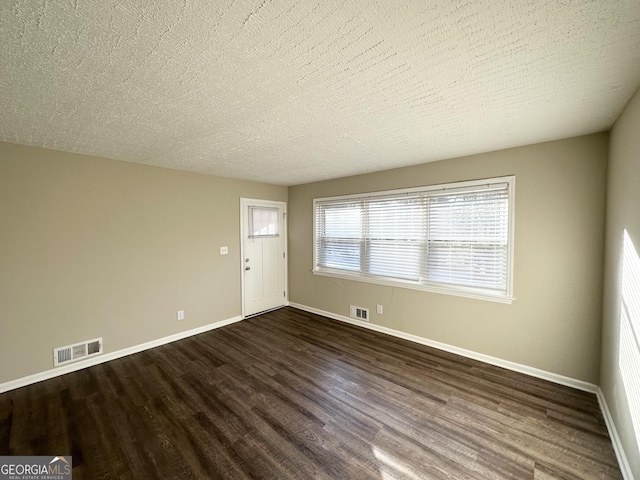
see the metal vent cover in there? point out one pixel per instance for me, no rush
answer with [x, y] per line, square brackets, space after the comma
[78, 351]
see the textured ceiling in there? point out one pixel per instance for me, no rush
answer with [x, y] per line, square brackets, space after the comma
[290, 92]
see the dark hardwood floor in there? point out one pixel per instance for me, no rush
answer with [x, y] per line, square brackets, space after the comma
[292, 395]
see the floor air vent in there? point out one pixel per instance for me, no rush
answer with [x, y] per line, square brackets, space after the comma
[71, 353]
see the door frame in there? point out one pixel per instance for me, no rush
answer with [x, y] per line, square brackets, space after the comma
[244, 204]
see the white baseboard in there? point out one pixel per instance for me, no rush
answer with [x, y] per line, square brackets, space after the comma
[56, 372]
[553, 377]
[516, 367]
[625, 468]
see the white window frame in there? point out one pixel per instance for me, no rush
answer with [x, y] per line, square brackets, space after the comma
[424, 285]
[629, 336]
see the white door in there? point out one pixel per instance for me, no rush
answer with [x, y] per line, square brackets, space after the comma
[263, 255]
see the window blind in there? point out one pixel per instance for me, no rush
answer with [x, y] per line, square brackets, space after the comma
[445, 235]
[263, 222]
[629, 342]
[467, 238]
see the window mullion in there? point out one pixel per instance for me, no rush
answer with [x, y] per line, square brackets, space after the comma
[445, 237]
[424, 257]
[364, 241]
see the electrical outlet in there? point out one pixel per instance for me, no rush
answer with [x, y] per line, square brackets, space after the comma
[224, 250]
[180, 315]
[379, 309]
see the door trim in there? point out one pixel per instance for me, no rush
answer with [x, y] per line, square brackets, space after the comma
[244, 203]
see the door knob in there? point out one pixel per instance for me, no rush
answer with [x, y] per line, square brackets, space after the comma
[247, 268]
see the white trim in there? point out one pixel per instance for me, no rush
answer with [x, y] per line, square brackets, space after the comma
[245, 202]
[625, 468]
[56, 372]
[477, 293]
[458, 291]
[516, 367]
[464, 185]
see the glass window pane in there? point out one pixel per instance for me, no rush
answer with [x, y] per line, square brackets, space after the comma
[444, 235]
[264, 222]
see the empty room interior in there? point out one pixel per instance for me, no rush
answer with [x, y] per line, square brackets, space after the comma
[324, 239]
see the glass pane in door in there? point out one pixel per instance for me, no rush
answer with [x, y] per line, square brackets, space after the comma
[263, 222]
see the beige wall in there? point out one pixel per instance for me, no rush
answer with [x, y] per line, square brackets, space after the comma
[623, 212]
[554, 324]
[99, 248]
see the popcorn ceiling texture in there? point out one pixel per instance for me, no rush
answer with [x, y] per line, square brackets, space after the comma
[289, 92]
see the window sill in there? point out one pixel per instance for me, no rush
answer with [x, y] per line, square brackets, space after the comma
[458, 291]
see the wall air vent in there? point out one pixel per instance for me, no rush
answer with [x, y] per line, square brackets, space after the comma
[72, 353]
[359, 312]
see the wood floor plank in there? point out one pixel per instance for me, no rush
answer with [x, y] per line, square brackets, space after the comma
[289, 394]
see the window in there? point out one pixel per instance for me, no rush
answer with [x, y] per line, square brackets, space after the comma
[629, 358]
[263, 222]
[455, 238]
